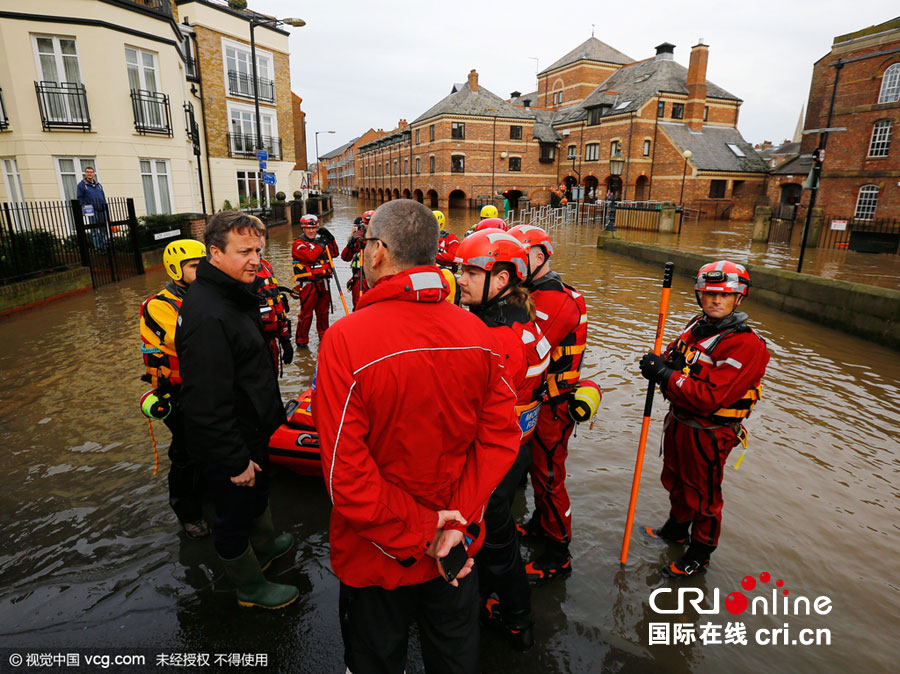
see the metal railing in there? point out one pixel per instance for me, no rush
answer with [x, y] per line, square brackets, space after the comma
[245, 145]
[4, 120]
[862, 236]
[152, 113]
[240, 84]
[63, 105]
[636, 215]
[36, 237]
[163, 7]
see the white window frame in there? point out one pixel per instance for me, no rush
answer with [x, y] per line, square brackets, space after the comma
[67, 114]
[647, 147]
[20, 217]
[244, 108]
[737, 151]
[262, 56]
[155, 181]
[142, 80]
[418, 166]
[571, 152]
[592, 152]
[866, 202]
[880, 144]
[79, 162]
[890, 85]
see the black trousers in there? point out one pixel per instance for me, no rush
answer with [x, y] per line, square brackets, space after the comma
[500, 565]
[375, 626]
[237, 507]
[185, 475]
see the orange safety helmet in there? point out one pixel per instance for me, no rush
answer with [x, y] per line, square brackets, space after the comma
[723, 277]
[487, 247]
[307, 220]
[492, 223]
[529, 235]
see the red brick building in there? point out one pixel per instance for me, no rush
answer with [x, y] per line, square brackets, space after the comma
[590, 104]
[857, 86]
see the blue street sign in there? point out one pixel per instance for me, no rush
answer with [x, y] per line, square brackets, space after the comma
[262, 166]
[262, 155]
[269, 178]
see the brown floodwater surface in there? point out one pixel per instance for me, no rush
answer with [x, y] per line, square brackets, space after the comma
[92, 557]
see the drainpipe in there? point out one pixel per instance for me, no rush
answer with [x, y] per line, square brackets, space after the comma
[653, 154]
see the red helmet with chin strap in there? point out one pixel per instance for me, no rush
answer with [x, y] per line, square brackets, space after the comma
[367, 216]
[492, 223]
[723, 277]
[529, 236]
[485, 248]
[309, 220]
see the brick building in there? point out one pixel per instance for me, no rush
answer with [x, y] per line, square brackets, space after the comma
[857, 86]
[591, 103]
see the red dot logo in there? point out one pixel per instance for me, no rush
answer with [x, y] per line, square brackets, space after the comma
[764, 576]
[736, 603]
[748, 582]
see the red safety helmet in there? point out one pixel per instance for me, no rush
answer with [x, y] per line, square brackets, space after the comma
[529, 236]
[367, 216]
[723, 277]
[485, 248]
[492, 223]
[307, 220]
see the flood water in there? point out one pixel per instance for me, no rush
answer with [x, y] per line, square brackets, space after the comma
[92, 560]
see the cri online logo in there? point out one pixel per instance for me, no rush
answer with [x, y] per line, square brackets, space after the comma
[737, 602]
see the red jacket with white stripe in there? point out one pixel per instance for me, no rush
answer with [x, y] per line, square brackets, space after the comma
[415, 415]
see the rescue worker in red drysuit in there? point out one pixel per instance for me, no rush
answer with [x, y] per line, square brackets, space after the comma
[312, 277]
[353, 253]
[711, 375]
[273, 309]
[493, 266]
[562, 317]
[447, 244]
[409, 483]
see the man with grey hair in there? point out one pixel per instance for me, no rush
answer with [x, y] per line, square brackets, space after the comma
[409, 468]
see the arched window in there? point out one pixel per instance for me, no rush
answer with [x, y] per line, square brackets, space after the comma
[881, 138]
[890, 85]
[866, 202]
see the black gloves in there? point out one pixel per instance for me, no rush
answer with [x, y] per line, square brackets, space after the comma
[324, 236]
[654, 368]
[287, 350]
[358, 220]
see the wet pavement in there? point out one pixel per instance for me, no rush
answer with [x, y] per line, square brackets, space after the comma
[92, 560]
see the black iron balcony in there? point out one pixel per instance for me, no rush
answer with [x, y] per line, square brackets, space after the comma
[63, 105]
[244, 145]
[163, 7]
[151, 112]
[240, 84]
[4, 120]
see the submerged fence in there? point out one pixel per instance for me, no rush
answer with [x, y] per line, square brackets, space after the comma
[636, 215]
[861, 236]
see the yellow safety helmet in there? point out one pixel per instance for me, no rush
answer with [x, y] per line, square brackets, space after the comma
[489, 212]
[453, 296]
[441, 220]
[179, 252]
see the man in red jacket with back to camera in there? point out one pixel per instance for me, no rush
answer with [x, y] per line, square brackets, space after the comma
[409, 469]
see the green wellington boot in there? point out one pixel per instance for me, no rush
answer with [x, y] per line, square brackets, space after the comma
[267, 546]
[252, 587]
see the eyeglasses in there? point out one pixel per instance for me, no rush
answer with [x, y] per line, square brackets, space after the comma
[375, 238]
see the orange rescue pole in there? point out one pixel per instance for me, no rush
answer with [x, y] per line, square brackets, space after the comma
[337, 282]
[648, 407]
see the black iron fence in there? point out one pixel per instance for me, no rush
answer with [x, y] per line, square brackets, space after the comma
[245, 145]
[861, 236]
[240, 84]
[63, 105]
[152, 113]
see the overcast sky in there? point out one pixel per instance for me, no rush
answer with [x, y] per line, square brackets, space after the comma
[360, 65]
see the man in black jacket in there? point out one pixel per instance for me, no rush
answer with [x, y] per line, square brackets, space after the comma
[232, 405]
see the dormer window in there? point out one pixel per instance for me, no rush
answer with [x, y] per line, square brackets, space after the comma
[737, 151]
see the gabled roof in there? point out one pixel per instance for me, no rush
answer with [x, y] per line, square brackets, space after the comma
[591, 49]
[482, 103]
[641, 81]
[520, 100]
[799, 165]
[340, 150]
[543, 131]
[709, 148]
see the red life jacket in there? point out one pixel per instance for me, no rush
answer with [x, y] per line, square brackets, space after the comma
[310, 261]
[273, 306]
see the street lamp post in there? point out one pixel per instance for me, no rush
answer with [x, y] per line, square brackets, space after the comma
[318, 161]
[616, 164]
[687, 154]
[273, 23]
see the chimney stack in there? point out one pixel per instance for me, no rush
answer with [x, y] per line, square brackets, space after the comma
[665, 52]
[473, 80]
[696, 86]
[402, 124]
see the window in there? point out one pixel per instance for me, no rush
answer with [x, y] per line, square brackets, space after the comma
[248, 189]
[558, 98]
[14, 190]
[70, 170]
[548, 153]
[570, 152]
[661, 109]
[881, 138]
[677, 110]
[63, 99]
[190, 60]
[890, 85]
[623, 105]
[418, 166]
[705, 113]
[737, 188]
[431, 133]
[155, 177]
[738, 152]
[592, 152]
[866, 202]
[150, 107]
[458, 130]
[614, 146]
[646, 150]
[515, 163]
[717, 189]
[395, 169]
[239, 72]
[431, 164]
[406, 167]
[58, 59]
[515, 133]
[417, 136]
[242, 137]
[457, 163]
